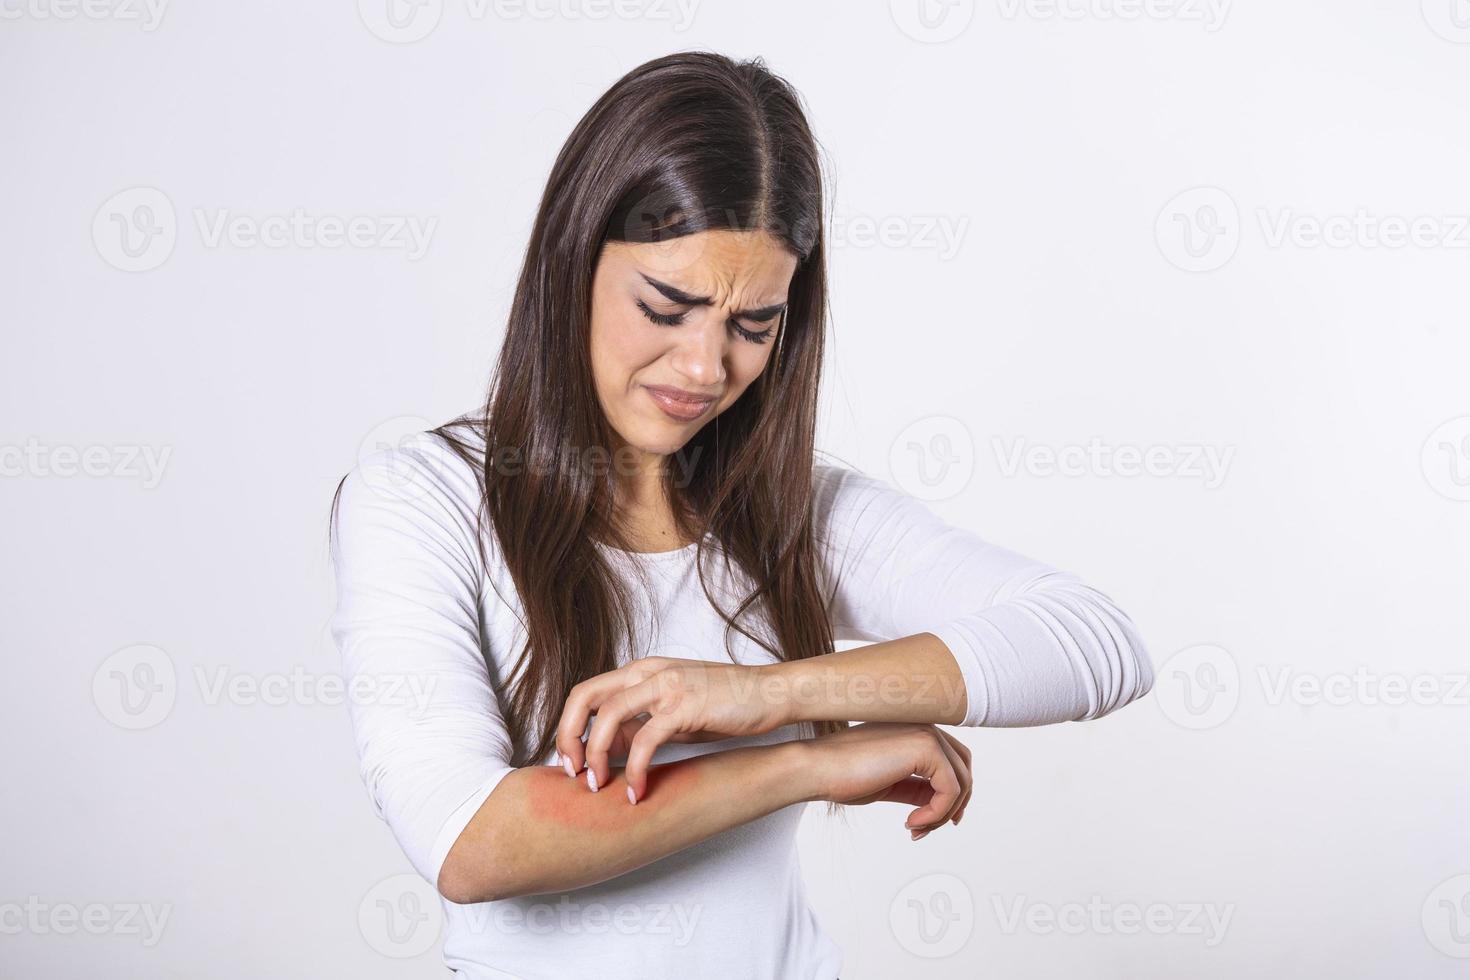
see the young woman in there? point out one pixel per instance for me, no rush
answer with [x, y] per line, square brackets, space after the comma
[618, 586]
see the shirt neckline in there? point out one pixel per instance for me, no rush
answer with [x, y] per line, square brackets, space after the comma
[653, 556]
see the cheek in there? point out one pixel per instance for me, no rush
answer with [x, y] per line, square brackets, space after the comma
[747, 361]
[621, 346]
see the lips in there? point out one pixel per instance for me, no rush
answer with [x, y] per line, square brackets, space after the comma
[680, 405]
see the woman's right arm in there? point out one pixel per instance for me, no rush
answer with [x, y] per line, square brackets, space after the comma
[542, 832]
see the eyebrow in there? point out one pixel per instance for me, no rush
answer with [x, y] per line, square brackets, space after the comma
[676, 295]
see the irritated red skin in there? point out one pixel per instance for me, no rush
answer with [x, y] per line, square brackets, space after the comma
[568, 802]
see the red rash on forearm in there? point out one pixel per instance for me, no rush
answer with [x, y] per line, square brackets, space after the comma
[566, 802]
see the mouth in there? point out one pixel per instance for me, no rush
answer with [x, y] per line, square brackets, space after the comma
[677, 404]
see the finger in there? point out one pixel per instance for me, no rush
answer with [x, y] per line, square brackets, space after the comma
[934, 763]
[911, 790]
[623, 740]
[962, 779]
[640, 756]
[611, 714]
[582, 701]
[968, 777]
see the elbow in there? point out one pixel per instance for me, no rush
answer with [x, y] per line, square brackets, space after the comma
[469, 880]
[456, 884]
[1110, 664]
[1121, 670]
[464, 885]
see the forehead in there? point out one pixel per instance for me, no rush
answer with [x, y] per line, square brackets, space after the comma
[719, 263]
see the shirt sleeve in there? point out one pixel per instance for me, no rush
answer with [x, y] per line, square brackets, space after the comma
[1034, 644]
[430, 736]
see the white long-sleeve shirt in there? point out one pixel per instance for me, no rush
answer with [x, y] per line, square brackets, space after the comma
[431, 636]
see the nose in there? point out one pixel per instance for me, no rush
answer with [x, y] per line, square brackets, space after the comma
[699, 354]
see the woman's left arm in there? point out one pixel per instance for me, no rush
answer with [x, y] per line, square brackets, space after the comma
[966, 633]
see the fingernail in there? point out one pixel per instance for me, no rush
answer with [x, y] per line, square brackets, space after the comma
[632, 798]
[591, 779]
[567, 765]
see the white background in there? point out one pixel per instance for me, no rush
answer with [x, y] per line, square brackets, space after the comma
[1080, 301]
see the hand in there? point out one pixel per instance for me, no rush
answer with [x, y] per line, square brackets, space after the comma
[899, 763]
[684, 700]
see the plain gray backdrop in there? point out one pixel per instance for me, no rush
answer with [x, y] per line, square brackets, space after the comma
[1169, 293]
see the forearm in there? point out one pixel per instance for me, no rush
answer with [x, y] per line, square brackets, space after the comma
[540, 831]
[914, 679]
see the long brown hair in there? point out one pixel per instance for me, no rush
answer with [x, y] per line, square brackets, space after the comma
[682, 144]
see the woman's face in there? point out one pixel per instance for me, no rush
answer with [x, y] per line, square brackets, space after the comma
[681, 328]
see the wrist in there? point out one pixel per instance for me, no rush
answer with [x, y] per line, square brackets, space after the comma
[784, 691]
[800, 773]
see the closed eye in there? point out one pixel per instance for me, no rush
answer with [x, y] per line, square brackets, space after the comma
[675, 319]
